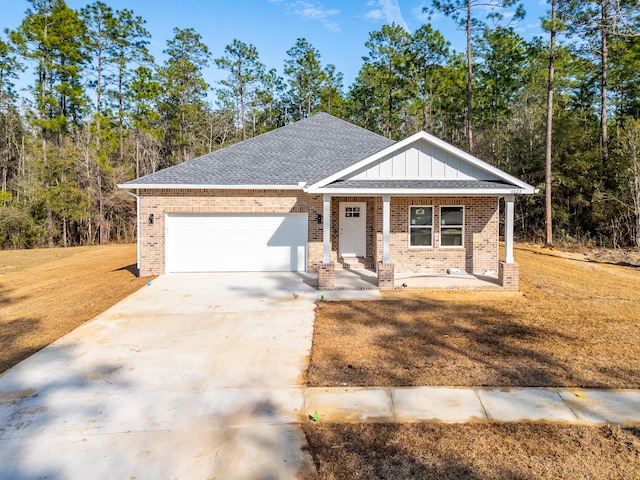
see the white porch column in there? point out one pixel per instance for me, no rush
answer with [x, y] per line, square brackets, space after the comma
[386, 228]
[508, 229]
[326, 229]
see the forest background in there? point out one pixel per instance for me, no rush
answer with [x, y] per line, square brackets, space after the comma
[562, 107]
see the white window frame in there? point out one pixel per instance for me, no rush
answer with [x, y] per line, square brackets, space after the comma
[432, 226]
[440, 226]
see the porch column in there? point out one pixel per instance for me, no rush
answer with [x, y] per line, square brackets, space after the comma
[386, 228]
[508, 229]
[326, 229]
[385, 269]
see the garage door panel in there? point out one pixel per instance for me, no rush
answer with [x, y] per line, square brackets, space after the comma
[218, 243]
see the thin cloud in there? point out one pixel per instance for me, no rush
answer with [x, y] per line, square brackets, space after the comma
[311, 11]
[387, 11]
[423, 16]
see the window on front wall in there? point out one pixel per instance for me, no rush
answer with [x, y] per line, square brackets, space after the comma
[451, 226]
[420, 226]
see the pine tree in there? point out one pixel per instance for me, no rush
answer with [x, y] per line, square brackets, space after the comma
[245, 71]
[387, 69]
[461, 11]
[10, 121]
[53, 37]
[429, 52]
[306, 77]
[183, 91]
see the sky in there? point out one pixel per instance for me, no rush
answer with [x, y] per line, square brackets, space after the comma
[337, 29]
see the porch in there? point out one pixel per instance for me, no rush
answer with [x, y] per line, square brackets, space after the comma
[367, 279]
[366, 246]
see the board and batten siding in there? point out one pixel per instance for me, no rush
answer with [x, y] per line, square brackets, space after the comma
[422, 161]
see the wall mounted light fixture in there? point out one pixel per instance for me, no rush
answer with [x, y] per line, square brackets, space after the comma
[319, 218]
[151, 219]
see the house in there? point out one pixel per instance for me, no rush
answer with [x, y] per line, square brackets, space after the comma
[323, 194]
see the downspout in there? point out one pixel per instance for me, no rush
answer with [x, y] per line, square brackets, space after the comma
[137, 197]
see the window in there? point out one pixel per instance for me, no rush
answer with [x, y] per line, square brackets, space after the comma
[420, 226]
[451, 226]
[352, 212]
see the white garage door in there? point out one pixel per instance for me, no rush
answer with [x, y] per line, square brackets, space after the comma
[236, 243]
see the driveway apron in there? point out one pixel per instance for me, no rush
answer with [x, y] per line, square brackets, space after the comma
[195, 376]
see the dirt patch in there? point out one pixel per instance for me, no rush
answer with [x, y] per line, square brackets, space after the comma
[622, 257]
[46, 293]
[499, 451]
[576, 324]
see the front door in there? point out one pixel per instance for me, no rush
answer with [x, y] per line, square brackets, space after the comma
[353, 229]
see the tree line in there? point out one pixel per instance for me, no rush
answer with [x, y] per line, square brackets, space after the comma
[560, 111]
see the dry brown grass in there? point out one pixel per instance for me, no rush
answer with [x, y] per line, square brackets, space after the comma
[577, 324]
[49, 292]
[475, 451]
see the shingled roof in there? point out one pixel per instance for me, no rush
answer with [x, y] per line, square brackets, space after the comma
[305, 151]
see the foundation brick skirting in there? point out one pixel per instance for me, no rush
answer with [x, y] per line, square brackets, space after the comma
[509, 275]
[326, 276]
[386, 276]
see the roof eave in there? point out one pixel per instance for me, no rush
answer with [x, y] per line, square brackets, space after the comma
[453, 192]
[186, 186]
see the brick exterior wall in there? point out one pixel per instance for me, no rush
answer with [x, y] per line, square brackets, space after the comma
[386, 276]
[480, 247]
[326, 276]
[161, 202]
[479, 253]
[509, 275]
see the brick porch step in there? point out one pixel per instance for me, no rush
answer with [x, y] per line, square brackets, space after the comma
[354, 263]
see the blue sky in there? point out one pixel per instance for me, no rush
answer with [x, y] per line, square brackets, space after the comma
[338, 29]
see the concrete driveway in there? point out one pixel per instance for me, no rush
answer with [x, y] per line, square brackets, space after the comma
[197, 376]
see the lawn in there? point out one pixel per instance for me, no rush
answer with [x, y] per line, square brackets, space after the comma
[46, 293]
[432, 451]
[575, 324]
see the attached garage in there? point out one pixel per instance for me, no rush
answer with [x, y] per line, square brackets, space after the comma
[236, 242]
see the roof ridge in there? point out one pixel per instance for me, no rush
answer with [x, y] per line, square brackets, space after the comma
[295, 124]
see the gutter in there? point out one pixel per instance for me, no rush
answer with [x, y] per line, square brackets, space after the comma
[416, 192]
[185, 186]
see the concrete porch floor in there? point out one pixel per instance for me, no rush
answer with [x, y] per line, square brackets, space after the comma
[365, 279]
[445, 281]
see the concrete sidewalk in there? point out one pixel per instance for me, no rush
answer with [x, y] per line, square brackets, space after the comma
[474, 404]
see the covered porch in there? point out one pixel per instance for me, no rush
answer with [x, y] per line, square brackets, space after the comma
[377, 265]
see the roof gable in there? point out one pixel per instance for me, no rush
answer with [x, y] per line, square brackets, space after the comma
[420, 160]
[421, 157]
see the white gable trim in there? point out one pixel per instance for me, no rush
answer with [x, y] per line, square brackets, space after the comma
[526, 188]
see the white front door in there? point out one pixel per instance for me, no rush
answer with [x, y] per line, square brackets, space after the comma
[353, 229]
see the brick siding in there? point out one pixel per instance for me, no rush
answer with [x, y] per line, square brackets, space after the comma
[509, 275]
[326, 276]
[480, 247]
[161, 202]
[386, 276]
[479, 252]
